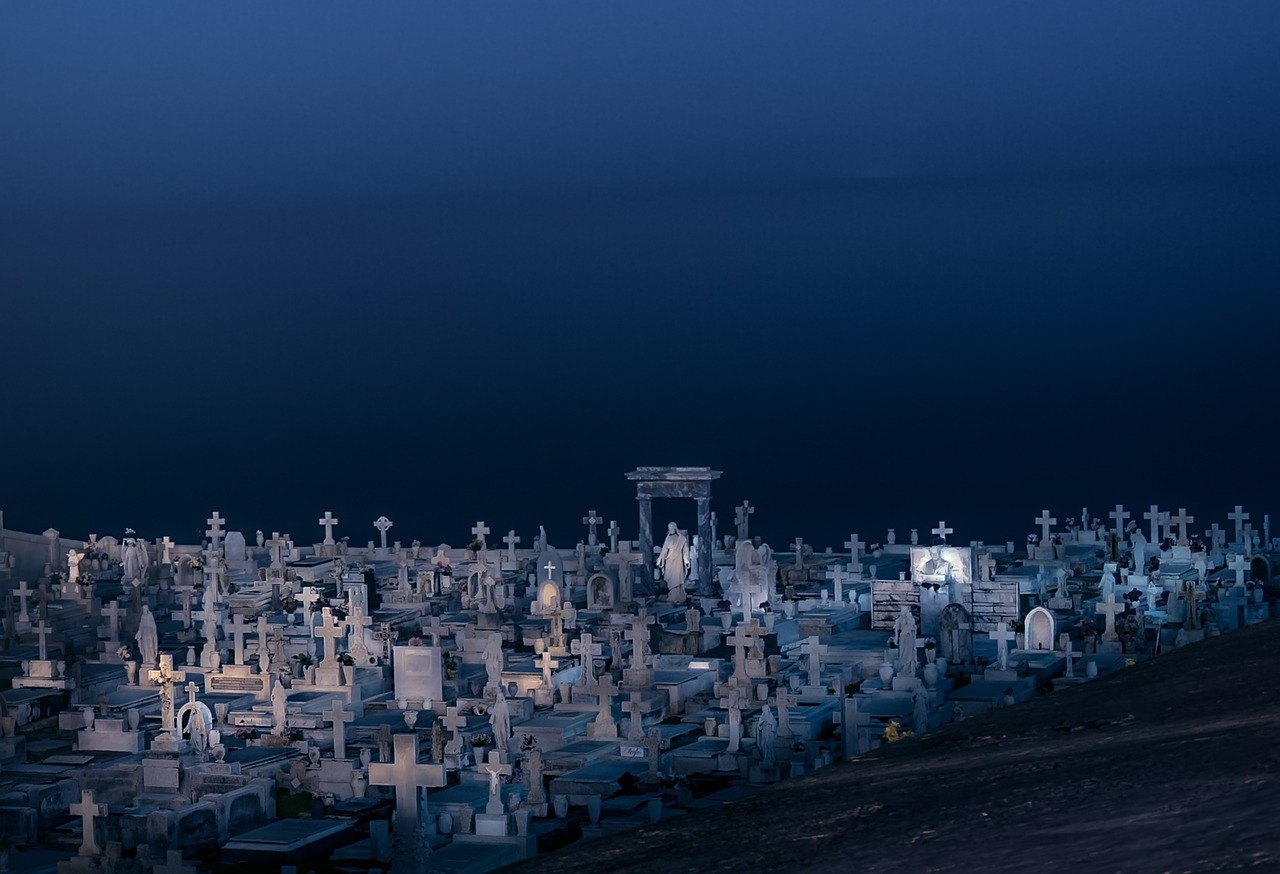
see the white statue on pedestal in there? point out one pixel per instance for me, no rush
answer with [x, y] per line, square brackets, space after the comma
[673, 562]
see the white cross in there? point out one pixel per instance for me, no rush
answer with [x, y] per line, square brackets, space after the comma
[854, 545]
[308, 596]
[1239, 517]
[383, 524]
[1045, 521]
[1002, 635]
[43, 631]
[1119, 515]
[591, 520]
[112, 612]
[613, 533]
[23, 593]
[406, 774]
[1182, 520]
[215, 524]
[453, 720]
[547, 663]
[238, 628]
[635, 707]
[435, 630]
[586, 649]
[1109, 607]
[331, 632]
[88, 812]
[1237, 563]
[987, 566]
[549, 567]
[1153, 516]
[942, 530]
[275, 544]
[511, 540]
[339, 716]
[495, 768]
[836, 575]
[604, 690]
[814, 651]
[329, 523]
[166, 545]
[192, 691]
[480, 530]
[166, 676]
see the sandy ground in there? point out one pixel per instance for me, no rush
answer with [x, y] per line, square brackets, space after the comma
[1171, 765]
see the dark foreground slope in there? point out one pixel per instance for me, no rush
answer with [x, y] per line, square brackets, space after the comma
[1171, 765]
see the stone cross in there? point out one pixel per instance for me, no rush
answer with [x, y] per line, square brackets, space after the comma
[854, 545]
[1237, 563]
[635, 707]
[1119, 515]
[653, 746]
[112, 612]
[743, 515]
[836, 575]
[731, 700]
[784, 701]
[1002, 636]
[1153, 516]
[192, 691]
[1109, 607]
[165, 676]
[1071, 654]
[813, 652]
[591, 520]
[638, 634]
[308, 596]
[1046, 523]
[495, 768]
[216, 524]
[339, 716]
[549, 568]
[331, 632]
[275, 544]
[547, 663]
[613, 532]
[942, 530]
[1182, 520]
[435, 630]
[1239, 517]
[328, 522]
[587, 649]
[383, 524]
[604, 690]
[455, 722]
[480, 530]
[406, 774]
[166, 547]
[237, 628]
[23, 593]
[798, 549]
[42, 631]
[511, 540]
[986, 567]
[88, 813]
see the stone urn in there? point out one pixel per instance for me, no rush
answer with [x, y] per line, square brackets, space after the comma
[930, 675]
[131, 673]
[359, 784]
[595, 804]
[886, 675]
[134, 717]
[561, 806]
[88, 718]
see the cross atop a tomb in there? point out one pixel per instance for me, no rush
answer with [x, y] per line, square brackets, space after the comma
[813, 651]
[836, 575]
[1046, 523]
[165, 677]
[1153, 516]
[237, 628]
[942, 530]
[1182, 520]
[613, 531]
[604, 690]
[495, 768]
[1109, 607]
[166, 548]
[743, 518]
[339, 716]
[1240, 565]
[383, 524]
[435, 630]
[23, 593]
[215, 532]
[453, 720]
[986, 567]
[546, 662]
[328, 522]
[112, 612]
[88, 812]
[784, 701]
[591, 520]
[480, 531]
[635, 708]
[307, 597]
[1239, 517]
[406, 774]
[511, 540]
[1002, 635]
[1119, 515]
[192, 691]
[331, 632]
[586, 649]
[854, 545]
[638, 634]
[42, 631]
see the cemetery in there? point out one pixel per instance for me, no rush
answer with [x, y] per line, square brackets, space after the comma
[309, 704]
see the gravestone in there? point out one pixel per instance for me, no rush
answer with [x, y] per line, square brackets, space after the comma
[955, 635]
[1040, 630]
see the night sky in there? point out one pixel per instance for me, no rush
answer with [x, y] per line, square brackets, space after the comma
[881, 263]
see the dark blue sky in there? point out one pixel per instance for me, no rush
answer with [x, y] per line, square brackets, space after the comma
[880, 262]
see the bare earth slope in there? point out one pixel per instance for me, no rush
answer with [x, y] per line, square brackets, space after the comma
[1171, 765]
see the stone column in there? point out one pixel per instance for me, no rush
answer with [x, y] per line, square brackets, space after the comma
[646, 539]
[705, 582]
